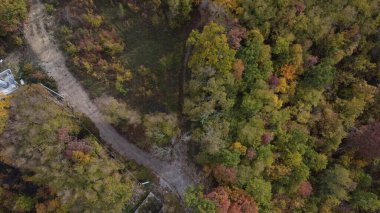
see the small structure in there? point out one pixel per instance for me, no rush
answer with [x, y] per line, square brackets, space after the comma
[151, 204]
[7, 82]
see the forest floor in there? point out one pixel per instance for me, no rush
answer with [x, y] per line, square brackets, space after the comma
[52, 60]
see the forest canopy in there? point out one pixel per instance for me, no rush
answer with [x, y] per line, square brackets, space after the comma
[282, 104]
[53, 150]
[280, 100]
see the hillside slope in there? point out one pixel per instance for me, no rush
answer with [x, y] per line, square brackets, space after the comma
[49, 146]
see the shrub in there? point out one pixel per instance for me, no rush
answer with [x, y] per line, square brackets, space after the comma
[49, 8]
[161, 128]
[93, 20]
[33, 74]
[71, 49]
[117, 112]
[23, 204]
[18, 40]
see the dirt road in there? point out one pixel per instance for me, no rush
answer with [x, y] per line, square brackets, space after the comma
[52, 61]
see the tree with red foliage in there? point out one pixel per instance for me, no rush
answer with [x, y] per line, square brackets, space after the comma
[251, 154]
[232, 200]
[312, 60]
[305, 189]
[81, 145]
[242, 202]
[72, 143]
[220, 196]
[64, 136]
[225, 175]
[266, 138]
[366, 141]
[235, 35]
[300, 7]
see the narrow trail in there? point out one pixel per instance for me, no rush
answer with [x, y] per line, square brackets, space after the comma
[52, 60]
[182, 78]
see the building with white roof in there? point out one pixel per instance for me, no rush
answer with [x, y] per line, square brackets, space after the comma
[7, 82]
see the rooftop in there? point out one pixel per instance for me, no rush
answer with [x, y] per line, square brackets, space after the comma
[7, 82]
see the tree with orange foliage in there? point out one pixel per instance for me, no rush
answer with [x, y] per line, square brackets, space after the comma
[288, 71]
[238, 69]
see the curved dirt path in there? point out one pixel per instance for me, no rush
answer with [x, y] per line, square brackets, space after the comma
[52, 61]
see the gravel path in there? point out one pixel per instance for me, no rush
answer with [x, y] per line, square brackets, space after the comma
[52, 61]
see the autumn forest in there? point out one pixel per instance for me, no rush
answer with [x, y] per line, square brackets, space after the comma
[253, 105]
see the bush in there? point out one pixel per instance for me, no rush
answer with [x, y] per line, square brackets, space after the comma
[94, 21]
[49, 8]
[161, 128]
[116, 112]
[23, 204]
[34, 75]
[18, 41]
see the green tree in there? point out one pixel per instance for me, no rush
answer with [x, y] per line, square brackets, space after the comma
[23, 204]
[195, 200]
[315, 161]
[337, 182]
[260, 100]
[227, 157]
[208, 94]
[211, 49]
[179, 11]
[213, 135]
[161, 128]
[261, 191]
[257, 58]
[251, 132]
[330, 128]
[366, 201]
[321, 75]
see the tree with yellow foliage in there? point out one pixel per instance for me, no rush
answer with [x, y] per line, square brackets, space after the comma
[4, 105]
[237, 146]
[282, 86]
